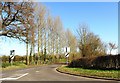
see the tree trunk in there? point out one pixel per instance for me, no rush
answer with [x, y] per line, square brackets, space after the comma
[27, 56]
[45, 45]
[38, 44]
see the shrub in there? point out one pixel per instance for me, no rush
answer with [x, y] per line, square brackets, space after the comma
[100, 62]
[4, 65]
[107, 62]
[5, 58]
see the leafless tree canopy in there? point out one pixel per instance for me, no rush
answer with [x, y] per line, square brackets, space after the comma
[112, 46]
[33, 24]
[14, 17]
[89, 43]
[71, 41]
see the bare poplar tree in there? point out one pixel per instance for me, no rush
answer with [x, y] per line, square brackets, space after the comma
[49, 26]
[71, 41]
[40, 20]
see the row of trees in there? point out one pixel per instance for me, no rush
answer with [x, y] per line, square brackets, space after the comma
[32, 23]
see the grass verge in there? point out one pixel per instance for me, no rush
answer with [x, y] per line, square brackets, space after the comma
[12, 67]
[17, 65]
[108, 74]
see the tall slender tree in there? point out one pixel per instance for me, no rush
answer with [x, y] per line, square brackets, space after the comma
[71, 41]
[40, 16]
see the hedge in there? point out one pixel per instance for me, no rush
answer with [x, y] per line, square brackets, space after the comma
[100, 62]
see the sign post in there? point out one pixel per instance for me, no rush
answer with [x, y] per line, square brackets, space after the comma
[12, 55]
[67, 51]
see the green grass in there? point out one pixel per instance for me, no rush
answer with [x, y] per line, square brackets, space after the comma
[4, 65]
[91, 72]
[62, 60]
[15, 65]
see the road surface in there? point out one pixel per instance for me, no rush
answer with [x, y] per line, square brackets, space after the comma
[42, 73]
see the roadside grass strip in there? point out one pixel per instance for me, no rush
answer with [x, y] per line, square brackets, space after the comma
[110, 74]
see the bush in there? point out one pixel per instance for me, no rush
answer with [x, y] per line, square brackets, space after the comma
[5, 58]
[4, 65]
[107, 62]
[100, 62]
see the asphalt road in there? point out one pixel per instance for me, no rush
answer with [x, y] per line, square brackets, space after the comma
[42, 73]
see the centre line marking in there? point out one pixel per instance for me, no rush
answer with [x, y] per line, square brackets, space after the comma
[37, 71]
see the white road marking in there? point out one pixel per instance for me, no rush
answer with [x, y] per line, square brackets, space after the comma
[22, 75]
[37, 71]
[10, 78]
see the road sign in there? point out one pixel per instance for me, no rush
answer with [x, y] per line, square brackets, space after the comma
[66, 54]
[12, 55]
[67, 49]
[12, 52]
